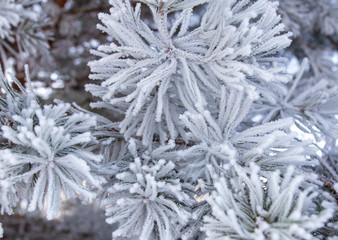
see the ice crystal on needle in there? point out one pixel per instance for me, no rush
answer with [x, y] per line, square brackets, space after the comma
[152, 75]
[218, 143]
[246, 207]
[193, 136]
[45, 153]
[147, 200]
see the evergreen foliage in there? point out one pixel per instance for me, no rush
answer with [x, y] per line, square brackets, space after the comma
[245, 206]
[193, 135]
[21, 30]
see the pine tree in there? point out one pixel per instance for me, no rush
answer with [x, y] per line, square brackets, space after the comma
[205, 145]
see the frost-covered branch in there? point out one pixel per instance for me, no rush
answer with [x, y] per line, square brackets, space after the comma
[153, 74]
[21, 30]
[44, 152]
[218, 143]
[247, 206]
[147, 199]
